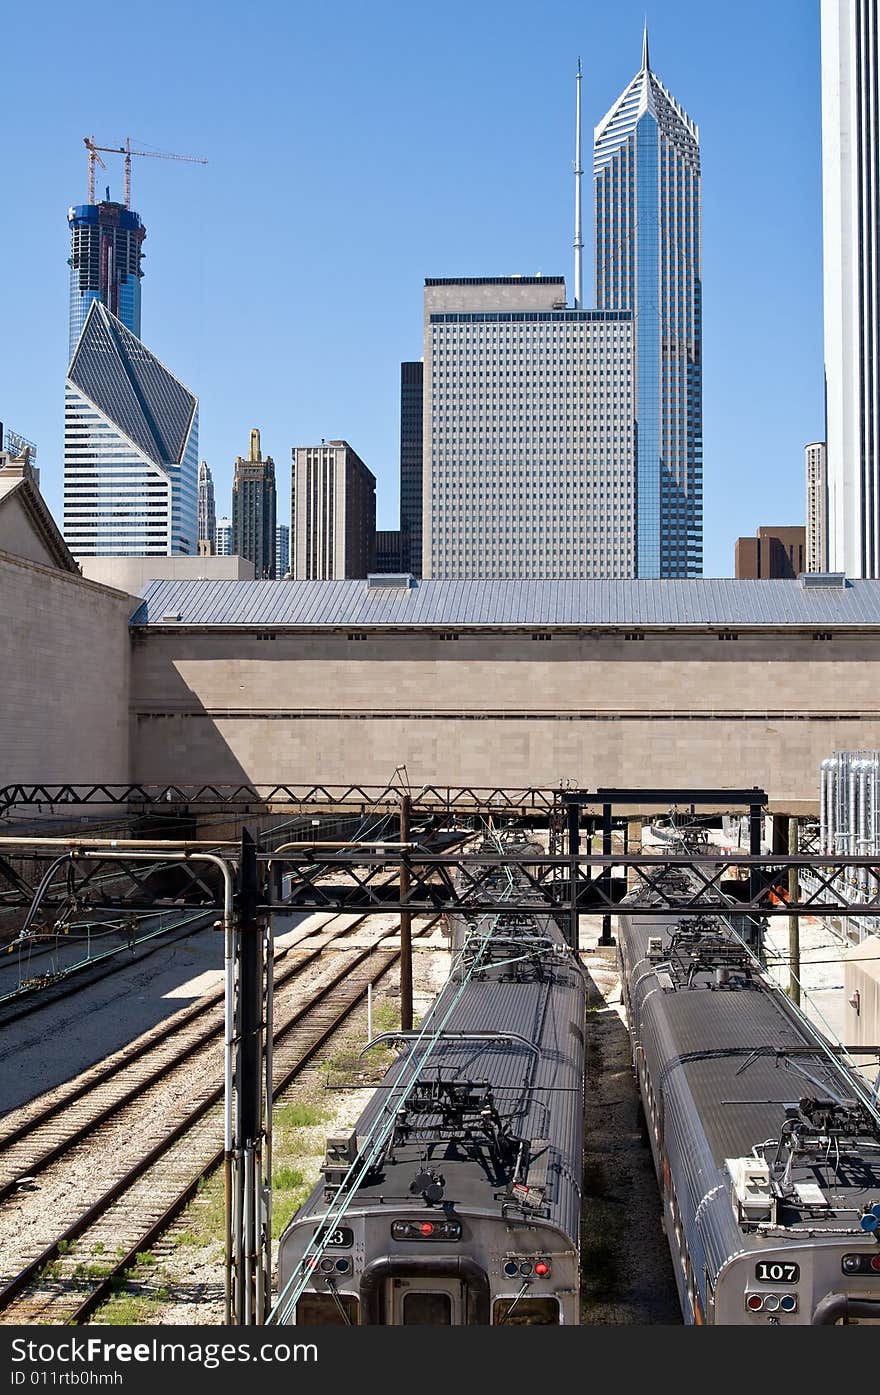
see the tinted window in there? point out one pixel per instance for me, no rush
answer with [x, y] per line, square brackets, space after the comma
[320, 1310]
[424, 1309]
[526, 1312]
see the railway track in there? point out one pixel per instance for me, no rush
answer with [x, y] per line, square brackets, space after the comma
[102, 1222]
[44, 1132]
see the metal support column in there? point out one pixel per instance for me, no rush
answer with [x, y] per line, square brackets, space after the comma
[756, 936]
[406, 977]
[573, 822]
[607, 937]
[251, 1270]
[794, 933]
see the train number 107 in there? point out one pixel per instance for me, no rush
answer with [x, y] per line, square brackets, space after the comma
[769, 1271]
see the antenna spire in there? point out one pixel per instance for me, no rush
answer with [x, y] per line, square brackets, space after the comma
[578, 231]
[646, 61]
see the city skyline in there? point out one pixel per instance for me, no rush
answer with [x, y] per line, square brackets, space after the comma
[345, 391]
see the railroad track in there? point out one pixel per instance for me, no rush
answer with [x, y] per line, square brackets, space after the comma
[44, 1132]
[98, 1234]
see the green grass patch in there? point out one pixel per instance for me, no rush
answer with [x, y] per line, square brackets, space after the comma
[297, 1116]
[286, 1179]
[130, 1310]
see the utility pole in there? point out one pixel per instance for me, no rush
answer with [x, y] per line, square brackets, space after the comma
[248, 1199]
[406, 979]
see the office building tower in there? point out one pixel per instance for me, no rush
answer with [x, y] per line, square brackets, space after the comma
[411, 389]
[774, 554]
[817, 504]
[105, 264]
[851, 254]
[253, 510]
[282, 550]
[333, 513]
[646, 168]
[529, 433]
[207, 509]
[389, 556]
[223, 538]
[130, 448]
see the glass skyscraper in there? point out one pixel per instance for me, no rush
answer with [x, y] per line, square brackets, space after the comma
[851, 257]
[131, 446]
[105, 264]
[646, 168]
[411, 388]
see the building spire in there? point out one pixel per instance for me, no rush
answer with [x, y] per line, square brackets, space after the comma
[646, 60]
[255, 444]
[578, 232]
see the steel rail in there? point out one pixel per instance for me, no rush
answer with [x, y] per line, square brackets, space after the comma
[77, 1228]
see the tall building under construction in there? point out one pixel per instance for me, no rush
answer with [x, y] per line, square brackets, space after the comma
[105, 264]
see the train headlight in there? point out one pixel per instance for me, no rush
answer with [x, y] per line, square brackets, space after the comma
[851, 1264]
[771, 1302]
[445, 1229]
[511, 1269]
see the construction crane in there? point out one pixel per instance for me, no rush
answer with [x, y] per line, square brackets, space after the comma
[126, 150]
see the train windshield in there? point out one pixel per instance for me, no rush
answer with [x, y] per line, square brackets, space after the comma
[425, 1302]
[427, 1309]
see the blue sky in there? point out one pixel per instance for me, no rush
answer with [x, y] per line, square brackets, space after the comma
[355, 149]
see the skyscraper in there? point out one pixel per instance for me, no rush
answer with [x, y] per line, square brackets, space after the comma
[817, 507]
[282, 550]
[105, 264]
[851, 244]
[131, 442]
[529, 433]
[411, 386]
[253, 509]
[224, 537]
[207, 509]
[333, 513]
[646, 168]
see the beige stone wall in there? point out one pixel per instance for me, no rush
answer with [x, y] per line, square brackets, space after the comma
[63, 677]
[861, 967]
[132, 574]
[507, 710]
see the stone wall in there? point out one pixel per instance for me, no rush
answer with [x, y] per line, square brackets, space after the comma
[64, 675]
[679, 710]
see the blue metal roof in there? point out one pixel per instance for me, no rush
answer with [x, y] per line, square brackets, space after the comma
[507, 604]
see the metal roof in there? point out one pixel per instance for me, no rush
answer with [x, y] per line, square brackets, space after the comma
[508, 604]
[132, 388]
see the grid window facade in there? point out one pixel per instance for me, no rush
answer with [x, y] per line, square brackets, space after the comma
[529, 446]
[131, 434]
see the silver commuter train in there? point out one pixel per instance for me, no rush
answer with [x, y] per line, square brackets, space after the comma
[466, 1207]
[767, 1154]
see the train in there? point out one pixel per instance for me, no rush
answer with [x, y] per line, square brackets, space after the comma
[766, 1144]
[456, 1198]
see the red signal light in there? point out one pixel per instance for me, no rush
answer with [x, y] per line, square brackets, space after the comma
[426, 1228]
[875, 1263]
[755, 1302]
[542, 1269]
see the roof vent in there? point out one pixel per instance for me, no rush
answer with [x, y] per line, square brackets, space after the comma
[171, 618]
[836, 579]
[390, 581]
